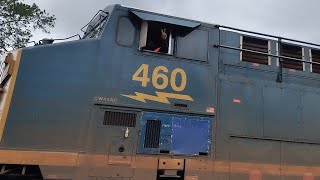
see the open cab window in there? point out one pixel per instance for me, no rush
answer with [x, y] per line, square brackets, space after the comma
[156, 37]
[159, 33]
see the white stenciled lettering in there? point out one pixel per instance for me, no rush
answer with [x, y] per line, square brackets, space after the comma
[105, 99]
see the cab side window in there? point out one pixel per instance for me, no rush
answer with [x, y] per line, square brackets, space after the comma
[193, 46]
[156, 37]
[162, 38]
[125, 33]
[159, 33]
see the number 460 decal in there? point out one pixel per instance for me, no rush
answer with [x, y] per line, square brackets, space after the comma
[160, 72]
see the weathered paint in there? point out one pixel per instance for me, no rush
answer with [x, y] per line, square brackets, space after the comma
[8, 91]
[38, 158]
[47, 158]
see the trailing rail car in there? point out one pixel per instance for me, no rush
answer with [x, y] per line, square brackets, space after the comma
[211, 102]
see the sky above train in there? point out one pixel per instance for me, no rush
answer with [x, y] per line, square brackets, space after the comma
[295, 19]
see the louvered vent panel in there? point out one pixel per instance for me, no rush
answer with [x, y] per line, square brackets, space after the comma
[293, 52]
[113, 118]
[255, 44]
[152, 136]
[315, 58]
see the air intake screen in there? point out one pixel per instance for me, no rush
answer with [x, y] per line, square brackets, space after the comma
[113, 118]
[152, 136]
[293, 52]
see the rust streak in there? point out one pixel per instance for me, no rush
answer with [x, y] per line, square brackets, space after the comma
[151, 163]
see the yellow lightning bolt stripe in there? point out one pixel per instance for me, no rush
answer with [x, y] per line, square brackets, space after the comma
[161, 97]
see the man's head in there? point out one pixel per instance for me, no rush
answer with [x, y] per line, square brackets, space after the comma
[164, 34]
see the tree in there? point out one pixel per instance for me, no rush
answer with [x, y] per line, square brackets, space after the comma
[18, 20]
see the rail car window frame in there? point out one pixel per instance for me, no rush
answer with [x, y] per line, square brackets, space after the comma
[254, 43]
[287, 50]
[314, 57]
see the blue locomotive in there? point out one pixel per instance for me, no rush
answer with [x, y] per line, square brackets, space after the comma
[146, 96]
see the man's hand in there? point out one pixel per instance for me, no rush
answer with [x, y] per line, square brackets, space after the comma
[163, 33]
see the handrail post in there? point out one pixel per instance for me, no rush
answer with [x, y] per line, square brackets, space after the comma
[279, 76]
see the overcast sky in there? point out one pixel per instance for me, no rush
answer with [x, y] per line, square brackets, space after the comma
[297, 19]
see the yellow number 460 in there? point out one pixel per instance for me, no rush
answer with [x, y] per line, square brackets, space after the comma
[160, 72]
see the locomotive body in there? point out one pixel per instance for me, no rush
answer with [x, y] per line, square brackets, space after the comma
[219, 103]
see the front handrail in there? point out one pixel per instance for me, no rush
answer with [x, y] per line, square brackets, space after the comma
[82, 29]
[97, 23]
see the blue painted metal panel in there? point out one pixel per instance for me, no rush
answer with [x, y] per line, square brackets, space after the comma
[50, 107]
[180, 134]
[241, 97]
[282, 112]
[190, 135]
[166, 131]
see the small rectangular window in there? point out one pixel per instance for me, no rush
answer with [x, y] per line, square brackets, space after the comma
[255, 44]
[315, 54]
[293, 52]
[126, 31]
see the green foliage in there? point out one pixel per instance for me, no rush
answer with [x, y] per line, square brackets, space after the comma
[18, 20]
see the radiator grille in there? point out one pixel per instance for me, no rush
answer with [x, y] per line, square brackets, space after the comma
[113, 118]
[152, 136]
